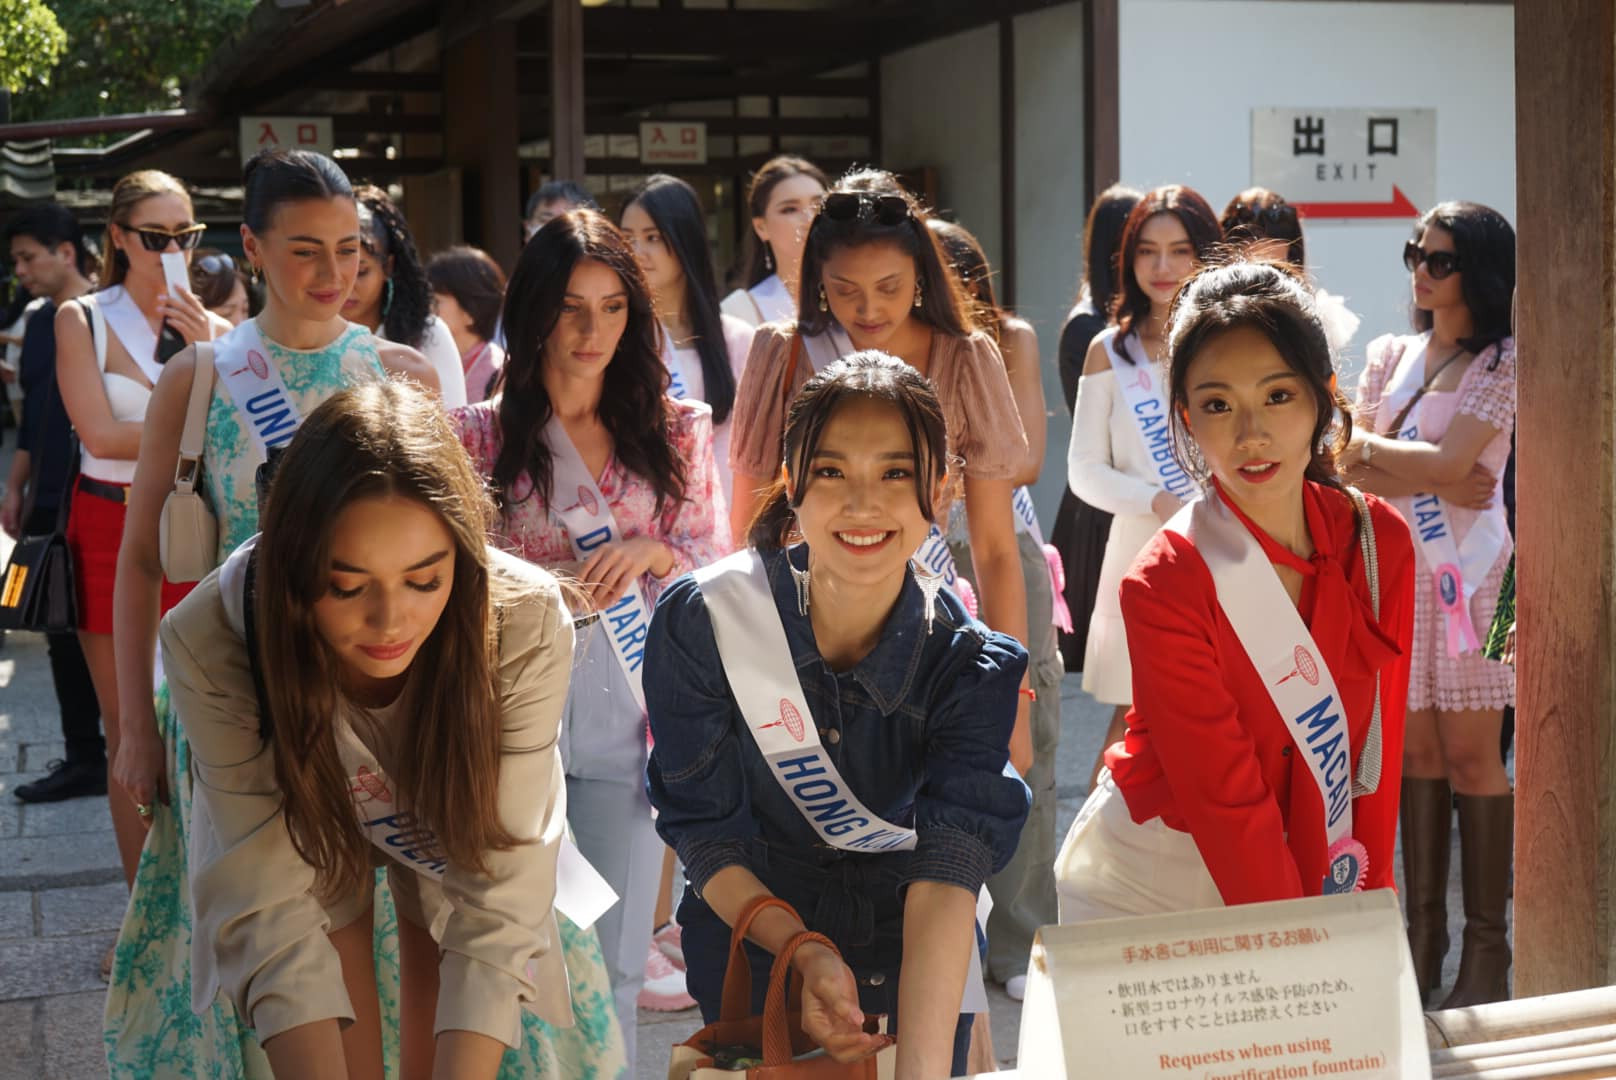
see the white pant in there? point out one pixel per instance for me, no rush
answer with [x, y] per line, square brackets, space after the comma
[1109, 867]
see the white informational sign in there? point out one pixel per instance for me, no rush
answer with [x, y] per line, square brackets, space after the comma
[292, 132]
[1347, 163]
[1298, 988]
[673, 142]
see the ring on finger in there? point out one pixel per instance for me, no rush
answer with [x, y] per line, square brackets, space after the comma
[143, 809]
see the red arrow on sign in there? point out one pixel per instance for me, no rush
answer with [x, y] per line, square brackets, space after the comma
[1399, 207]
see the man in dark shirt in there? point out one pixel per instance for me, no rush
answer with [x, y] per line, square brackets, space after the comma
[47, 252]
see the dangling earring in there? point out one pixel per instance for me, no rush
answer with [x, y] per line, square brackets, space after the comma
[768, 258]
[918, 297]
[387, 298]
[801, 579]
[824, 304]
[929, 584]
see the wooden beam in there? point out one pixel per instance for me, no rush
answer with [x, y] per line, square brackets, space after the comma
[1565, 772]
[598, 123]
[378, 82]
[615, 80]
[566, 90]
[1102, 165]
[356, 125]
[1007, 162]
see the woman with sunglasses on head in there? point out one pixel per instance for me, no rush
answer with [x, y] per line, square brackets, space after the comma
[1119, 459]
[704, 349]
[1263, 225]
[873, 277]
[880, 828]
[221, 285]
[111, 349]
[1439, 409]
[597, 469]
[782, 198]
[368, 685]
[1269, 625]
[392, 296]
[468, 290]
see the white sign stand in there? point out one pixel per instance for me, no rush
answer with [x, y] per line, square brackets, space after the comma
[1298, 988]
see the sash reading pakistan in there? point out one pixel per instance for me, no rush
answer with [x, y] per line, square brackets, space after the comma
[590, 526]
[757, 663]
[1142, 389]
[1457, 570]
[1298, 681]
[255, 385]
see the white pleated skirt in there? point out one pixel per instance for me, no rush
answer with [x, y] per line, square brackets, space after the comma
[1109, 867]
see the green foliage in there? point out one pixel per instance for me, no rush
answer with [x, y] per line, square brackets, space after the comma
[127, 56]
[31, 41]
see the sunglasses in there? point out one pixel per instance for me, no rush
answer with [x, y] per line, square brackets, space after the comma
[848, 206]
[1439, 264]
[154, 239]
[216, 265]
[1278, 214]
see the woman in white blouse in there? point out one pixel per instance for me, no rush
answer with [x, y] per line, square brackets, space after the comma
[368, 684]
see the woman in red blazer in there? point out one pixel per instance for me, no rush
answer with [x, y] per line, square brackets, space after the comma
[1255, 765]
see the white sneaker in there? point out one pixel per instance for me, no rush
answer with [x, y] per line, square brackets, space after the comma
[664, 989]
[1016, 987]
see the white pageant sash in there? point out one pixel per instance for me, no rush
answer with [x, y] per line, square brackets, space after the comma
[1296, 677]
[255, 385]
[1142, 389]
[129, 324]
[825, 349]
[772, 300]
[590, 525]
[1457, 570]
[678, 378]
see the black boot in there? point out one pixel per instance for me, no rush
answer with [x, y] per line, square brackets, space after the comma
[1426, 817]
[66, 780]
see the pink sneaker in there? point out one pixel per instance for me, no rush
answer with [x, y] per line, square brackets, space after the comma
[670, 939]
[664, 989]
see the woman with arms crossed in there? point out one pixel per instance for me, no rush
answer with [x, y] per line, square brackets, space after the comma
[1269, 623]
[872, 667]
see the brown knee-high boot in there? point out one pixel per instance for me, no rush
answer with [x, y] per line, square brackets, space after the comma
[1426, 816]
[1487, 849]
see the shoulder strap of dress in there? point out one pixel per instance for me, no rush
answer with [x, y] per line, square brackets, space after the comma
[792, 356]
[98, 329]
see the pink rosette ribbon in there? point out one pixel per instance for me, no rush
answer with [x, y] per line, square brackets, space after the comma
[1448, 581]
[1061, 616]
[1346, 866]
[967, 595]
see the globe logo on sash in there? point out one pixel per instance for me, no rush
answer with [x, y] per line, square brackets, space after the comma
[1306, 667]
[370, 786]
[586, 499]
[256, 361]
[791, 718]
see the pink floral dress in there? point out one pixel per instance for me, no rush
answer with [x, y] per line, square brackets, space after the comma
[1487, 392]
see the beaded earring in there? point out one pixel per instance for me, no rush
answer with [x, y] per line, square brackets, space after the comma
[918, 297]
[768, 258]
[824, 303]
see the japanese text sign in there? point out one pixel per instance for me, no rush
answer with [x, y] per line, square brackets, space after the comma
[1347, 163]
[1299, 988]
[292, 132]
[673, 142]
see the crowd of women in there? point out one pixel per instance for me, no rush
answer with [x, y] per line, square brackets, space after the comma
[511, 589]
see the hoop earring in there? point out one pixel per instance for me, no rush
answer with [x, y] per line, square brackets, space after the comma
[800, 577]
[387, 298]
[824, 304]
[919, 299]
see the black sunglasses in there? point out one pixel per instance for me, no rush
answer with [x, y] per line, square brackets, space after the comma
[1439, 264]
[1278, 214]
[154, 239]
[216, 265]
[846, 206]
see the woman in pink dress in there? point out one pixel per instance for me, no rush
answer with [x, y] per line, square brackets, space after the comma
[1439, 406]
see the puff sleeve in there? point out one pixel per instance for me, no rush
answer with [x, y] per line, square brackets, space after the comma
[759, 420]
[984, 425]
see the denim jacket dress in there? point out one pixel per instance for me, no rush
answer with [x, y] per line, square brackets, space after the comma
[919, 729]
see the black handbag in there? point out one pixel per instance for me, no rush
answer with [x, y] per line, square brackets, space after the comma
[40, 592]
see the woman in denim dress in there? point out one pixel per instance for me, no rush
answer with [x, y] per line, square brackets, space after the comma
[912, 701]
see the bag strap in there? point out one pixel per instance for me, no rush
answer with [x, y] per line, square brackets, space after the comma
[792, 356]
[1366, 776]
[192, 437]
[266, 724]
[1430, 380]
[777, 1048]
[737, 1001]
[98, 329]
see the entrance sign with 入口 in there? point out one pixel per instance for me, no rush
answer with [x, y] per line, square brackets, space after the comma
[1322, 986]
[292, 132]
[1347, 163]
[673, 142]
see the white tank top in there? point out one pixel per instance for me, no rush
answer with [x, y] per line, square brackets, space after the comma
[127, 397]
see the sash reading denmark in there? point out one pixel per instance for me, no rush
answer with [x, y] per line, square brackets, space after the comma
[255, 385]
[1283, 651]
[1142, 389]
[590, 525]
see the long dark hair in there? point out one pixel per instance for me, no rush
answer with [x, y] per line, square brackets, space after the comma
[1270, 299]
[274, 177]
[776, 169]
[867, 374]
[1132, 303]
[1485, 246]
[1102, 240]
[970, 264]
[385, 233]
[476, 282]
[943, 304]
[672, 204]
[384, 439]
[634, 405]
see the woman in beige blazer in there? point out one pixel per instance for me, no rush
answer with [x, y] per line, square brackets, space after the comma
[367, 684]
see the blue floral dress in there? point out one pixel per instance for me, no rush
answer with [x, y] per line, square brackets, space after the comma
[150, 1029]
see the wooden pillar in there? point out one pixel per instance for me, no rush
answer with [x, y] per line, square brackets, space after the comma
[1007, 162]
[567, 90]
[480, 136]
[1565, 828]
[1102, 165]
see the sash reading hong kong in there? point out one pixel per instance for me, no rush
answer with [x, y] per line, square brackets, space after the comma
[256, 386]
[590, 526]
[1457, 570]
[1283, 651]
[1142, 389]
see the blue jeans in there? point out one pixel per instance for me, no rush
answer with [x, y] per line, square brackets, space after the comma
[851, 900]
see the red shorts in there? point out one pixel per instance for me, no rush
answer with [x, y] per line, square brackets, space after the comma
[94, 530]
